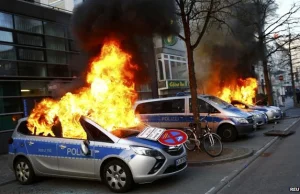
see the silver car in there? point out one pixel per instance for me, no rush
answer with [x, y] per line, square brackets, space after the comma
[118, 158]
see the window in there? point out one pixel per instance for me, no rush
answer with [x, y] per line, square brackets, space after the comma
[55, 43]
[166, 106]
[9, 122]
[22, 128]
[203, 106]
[56, 57]
[34, 88]
[54, 29]
[6, 20]
[7, 52]
[30, 54]
[32, 69]
[8, 68]
[9, 89]
[95, 133]
[160, 70]
[28, 25]
[10, 105]
[167, 69]
[58, 71]
[6, 36]
[30, 40]
[73, 46]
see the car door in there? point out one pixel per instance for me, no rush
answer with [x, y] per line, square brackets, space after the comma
[72, 162]
[203, 111]
[40, 150]
[172, 113]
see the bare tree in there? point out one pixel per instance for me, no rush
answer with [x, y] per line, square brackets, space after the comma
[262, 15]
[195, 17]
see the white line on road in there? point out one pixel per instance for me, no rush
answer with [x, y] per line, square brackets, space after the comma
[210, 190]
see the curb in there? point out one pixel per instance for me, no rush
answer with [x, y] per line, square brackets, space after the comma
[205, 163]
[235, 173]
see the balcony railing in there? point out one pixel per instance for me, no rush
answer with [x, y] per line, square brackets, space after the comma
[46, 5]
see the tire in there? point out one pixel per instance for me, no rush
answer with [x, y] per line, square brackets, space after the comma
[228, 133]
[213, 150]
[190, 144]
[117, 176]
[24, 172]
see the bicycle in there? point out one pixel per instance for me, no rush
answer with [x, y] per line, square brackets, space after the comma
[210, 142]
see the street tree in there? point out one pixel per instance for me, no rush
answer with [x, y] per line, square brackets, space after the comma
[195, 17]
[261, 14]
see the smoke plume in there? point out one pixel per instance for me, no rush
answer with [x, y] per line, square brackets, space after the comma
[129, 21]
[226, 55]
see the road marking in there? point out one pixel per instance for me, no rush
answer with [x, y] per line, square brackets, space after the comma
[290, 125]
[210, 190]
[224, 178]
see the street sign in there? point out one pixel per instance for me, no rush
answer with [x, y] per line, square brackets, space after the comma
[173, 137]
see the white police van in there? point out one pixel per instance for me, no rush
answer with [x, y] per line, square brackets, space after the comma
[175, 112]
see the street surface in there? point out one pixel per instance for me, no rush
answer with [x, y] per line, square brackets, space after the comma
[276, 171]
[272, 173]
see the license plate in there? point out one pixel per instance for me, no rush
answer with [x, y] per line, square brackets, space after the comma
[180, 161]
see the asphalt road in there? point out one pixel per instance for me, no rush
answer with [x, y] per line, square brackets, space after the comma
[276, 171]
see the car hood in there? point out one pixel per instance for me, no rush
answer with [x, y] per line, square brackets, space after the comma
[233, 111]
[142, 142]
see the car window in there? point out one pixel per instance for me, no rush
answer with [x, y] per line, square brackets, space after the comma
[95, 133]
[202, 106]
[164, 106]
[25, 131]
[23, 128]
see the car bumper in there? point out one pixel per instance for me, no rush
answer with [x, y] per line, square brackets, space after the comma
[140, 170]
[245, 129]
[274, 116]
[260, 121]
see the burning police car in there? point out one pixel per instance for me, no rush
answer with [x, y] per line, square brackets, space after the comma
[118, 158]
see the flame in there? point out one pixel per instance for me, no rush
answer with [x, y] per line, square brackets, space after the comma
[107, 99]
[244, 90]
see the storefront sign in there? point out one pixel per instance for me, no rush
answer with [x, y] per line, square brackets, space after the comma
[177, 84]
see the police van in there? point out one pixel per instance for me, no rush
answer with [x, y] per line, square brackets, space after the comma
[176, 112]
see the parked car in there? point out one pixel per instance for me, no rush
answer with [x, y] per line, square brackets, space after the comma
[175, 112]
[273, 113]
[118, 158]
[260, 118]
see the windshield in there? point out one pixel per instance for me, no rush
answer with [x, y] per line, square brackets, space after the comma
[218, 101]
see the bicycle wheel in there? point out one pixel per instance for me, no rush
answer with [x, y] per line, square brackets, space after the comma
[190, 143]
[212, 144]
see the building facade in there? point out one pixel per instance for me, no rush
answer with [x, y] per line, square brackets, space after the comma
[36, 48]
[172, 69]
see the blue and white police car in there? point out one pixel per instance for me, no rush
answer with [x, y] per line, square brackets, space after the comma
[119, 158]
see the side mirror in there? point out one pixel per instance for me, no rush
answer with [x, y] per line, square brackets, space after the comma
[85, 148]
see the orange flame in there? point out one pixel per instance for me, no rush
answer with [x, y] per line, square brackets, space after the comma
[107, 99]
[243, 91]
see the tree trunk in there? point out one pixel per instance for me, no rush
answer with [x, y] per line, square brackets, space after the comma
[268, 82]
[193, 84]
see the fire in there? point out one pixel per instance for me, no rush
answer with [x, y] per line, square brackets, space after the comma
[107, 99]
[244, 90]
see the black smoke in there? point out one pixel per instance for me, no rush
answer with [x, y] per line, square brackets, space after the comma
[129, 21]
[228, 53]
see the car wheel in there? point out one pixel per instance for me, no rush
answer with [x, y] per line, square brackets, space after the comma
[23, 171]
[117, 176]
[228, 133]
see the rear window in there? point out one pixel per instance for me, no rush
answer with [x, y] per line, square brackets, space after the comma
[164, 106]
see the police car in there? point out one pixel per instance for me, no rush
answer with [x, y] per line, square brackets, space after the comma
[119, 158]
